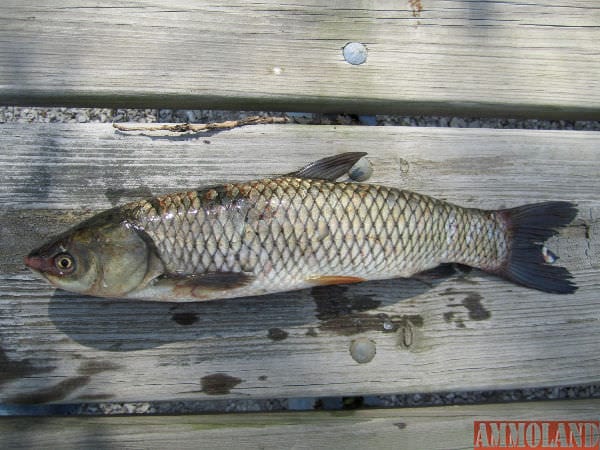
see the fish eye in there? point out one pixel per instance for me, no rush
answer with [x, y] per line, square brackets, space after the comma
[64, 262]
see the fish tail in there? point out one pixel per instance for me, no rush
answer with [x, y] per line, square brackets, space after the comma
[529, 226]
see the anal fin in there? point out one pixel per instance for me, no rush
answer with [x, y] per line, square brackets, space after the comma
[326, 280]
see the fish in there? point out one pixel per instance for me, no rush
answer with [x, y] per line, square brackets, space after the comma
[296, 231]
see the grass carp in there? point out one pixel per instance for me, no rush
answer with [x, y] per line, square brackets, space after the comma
[292, 232]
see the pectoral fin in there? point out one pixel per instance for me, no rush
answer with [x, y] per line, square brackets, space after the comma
[218, 281]
[205, 286]
[193, 288]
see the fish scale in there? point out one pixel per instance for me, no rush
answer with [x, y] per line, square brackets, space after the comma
[292, 230]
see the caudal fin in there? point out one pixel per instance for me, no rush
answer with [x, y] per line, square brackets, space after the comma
[530, 226]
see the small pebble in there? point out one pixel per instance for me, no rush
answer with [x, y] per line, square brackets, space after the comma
[362, 170]
[548, 256]
[362, 350]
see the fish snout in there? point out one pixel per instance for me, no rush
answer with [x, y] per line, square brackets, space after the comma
[37, 263]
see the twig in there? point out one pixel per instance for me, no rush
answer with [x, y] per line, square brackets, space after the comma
[200, 127]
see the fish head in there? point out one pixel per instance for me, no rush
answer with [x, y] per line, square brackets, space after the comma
[104, 256]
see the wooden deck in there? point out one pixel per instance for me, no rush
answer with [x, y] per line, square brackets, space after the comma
[462, 333]
[455, 57]
[437, 428]
[465, 333]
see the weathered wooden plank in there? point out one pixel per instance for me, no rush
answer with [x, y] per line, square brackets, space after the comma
[476, 332]
[492, 57]
[445, 428]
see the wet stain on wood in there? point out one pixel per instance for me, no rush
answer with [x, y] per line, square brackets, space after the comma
[334, 301]
[350, 324]
[59, 391]
[185, 318]
[12, 370]
[472, 303]
[94, 366]
[414, 319]
[342, 313]
[476, 310]
[219, 383]
[277, 334]
[346, 315]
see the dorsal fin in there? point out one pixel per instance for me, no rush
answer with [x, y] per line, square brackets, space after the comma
[330, 168]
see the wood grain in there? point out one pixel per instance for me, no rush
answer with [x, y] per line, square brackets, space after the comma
[411, 428]
[499, 58]
[463, 333]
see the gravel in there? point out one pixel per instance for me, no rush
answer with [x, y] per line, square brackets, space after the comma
[15, 114]
[85, 115]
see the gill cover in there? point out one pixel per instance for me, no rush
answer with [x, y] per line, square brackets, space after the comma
[109, 257]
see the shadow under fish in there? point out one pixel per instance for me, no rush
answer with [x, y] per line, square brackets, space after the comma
[129, 325]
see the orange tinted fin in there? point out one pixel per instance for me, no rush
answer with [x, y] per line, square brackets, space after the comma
[325, 280]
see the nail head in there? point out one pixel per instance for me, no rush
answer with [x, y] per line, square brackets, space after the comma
[362, 350]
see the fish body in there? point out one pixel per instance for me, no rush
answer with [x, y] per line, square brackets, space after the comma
[292, 232]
